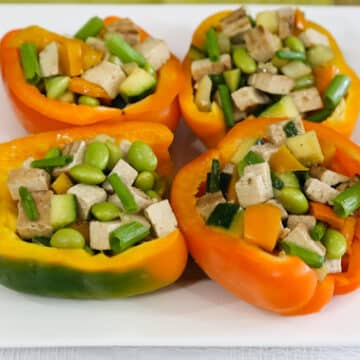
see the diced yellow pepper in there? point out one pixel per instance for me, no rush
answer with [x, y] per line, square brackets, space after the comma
[284, 161]
[62, 184]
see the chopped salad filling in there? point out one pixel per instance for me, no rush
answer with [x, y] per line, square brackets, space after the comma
[277, 193]
[263, 67]
[96, 195]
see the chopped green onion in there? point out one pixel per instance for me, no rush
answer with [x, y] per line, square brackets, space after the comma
[223, 215]
[225, 179]
[226, 105]
[28, 204]
[212, 45]
[217, 79]
[41, 240]
[290, 129]
[336, 90]
[277, 183]
[304, 82]
[52, 162]
[128, 235]
[347, 201]
[319, 116]
[119, 47]
[30, 63]
[310, 258]
[213, 177]
[91, 28]
[53, 152]
[318, 231]
[123, 193]
[251, 158]
[290, 55]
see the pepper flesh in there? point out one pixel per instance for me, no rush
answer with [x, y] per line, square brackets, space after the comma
[39, 113]
[282, 284]
[32, 268]
[210, 126]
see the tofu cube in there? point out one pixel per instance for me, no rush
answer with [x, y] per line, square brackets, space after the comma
[126, 173]
[206, 204]
[265, 150]
[236, 23]
[49, 60]
[307, 99]
[140, 197]
[31, 178]
[333, 266]
[161, 217]
[87, 196]
[311, 37]
[203, 67]
[272, 83]
[97, 44]
[100, 234]
[28, 229]
[155, 51]
[276, 134]
[286, 22]
[319, 191]
[284, 213]
[308, 220]
[124, 147]
[247, 98]
[329, 177]
[107, 75]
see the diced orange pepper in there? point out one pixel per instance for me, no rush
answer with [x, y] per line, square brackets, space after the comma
[348, 230]
[284, 161]
[326, 214]
[84, 87]
[323, 76]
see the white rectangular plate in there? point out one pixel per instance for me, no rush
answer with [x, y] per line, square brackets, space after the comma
[194, 311]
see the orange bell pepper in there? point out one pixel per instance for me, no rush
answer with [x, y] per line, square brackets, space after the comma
[284, 161]
[282, 284]
[210, 126]
[39, 113]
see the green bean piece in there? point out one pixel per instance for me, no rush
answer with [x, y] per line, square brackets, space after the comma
[119, 47]
[310, 258]
[212, 45]
[295, 44]
[142, 157]
[28, 204]
[53, 153]
[277, 183]
[293, 200]
[227, 106]
[318, 231]
[91, 28]
[243, 60]
[319, 116]
[41, 240]
[87, 174]
[88, 100]
[97, 154]
[67, 239]
[128, 235]
[290, 129]
[304, 82]
[335, 244]
[336, 90]
[145, 181]
[290, 55]
[56, 86]
[105, 211]
[30, 63]
[115, 154]
[51, 162]
[213, 177]
[123, 193]
[347, 201]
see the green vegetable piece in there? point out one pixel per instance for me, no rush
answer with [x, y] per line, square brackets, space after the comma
[293, 200]
[244, 61]
[141, 157]
[284, 108]
[56, 86]
[232, 79]
[223, 42]
[227, 106]
[224, 183]
[251, 158]
[319, 55]
[290, 55]
[63, 210]
[128, 235]
[145, 181]
[67, 239]
[196, 53]
[304, 82]
[91, 28]
[222, 215]
[277, 183]
[212, 45]
[290, 129]
[114, 60]
[87, 174]
[30, 63]
[115, 154]
[123, 193]
[319, 116]
[105, 211]
[97, 154]
[217, 79]
[294, 44]
[335, 244]
[318, 231]
[153, 194]
[161, 185]
[53, 153]
[41, 240]
[213, 177]
[347, 201]
[88, 100]
[51, 162]
[310, 258]
[336, 90]
[28, 204]
[289, 179]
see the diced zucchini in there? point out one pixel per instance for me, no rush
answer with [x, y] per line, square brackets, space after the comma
[284, 108]
[289, 179]
[203, 94]
[243, 149]
[296, 69]
[237, 225]
[319, 55]
[223, 215]
[225, 179]
[232, 79]
[63, 210]
[195, 53]
[269, 20]
[306, 148]
[224, 43]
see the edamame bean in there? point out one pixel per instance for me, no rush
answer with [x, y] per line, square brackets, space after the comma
[56, 86]
[335, 244]
[68, 97]
[145, 181]
[141, 157]
[67, 239]
[88, 100]
[87, 174]
[153, 194]
[293, 200]
[115, 154]
[97, 154]
[244, 61]
[294, 43]
[105, 211]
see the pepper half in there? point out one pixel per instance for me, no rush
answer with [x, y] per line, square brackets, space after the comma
[39, 113]
[31, 268]
[210, 126]
[282, 284]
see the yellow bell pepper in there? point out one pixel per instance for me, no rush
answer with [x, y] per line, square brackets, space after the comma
[284, 161]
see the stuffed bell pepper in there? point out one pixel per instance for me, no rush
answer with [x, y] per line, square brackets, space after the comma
[111, 70]
[276, 65]
[272, 213]
[84, 212]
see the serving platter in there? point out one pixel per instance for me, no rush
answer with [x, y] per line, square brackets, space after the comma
[194, 311]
